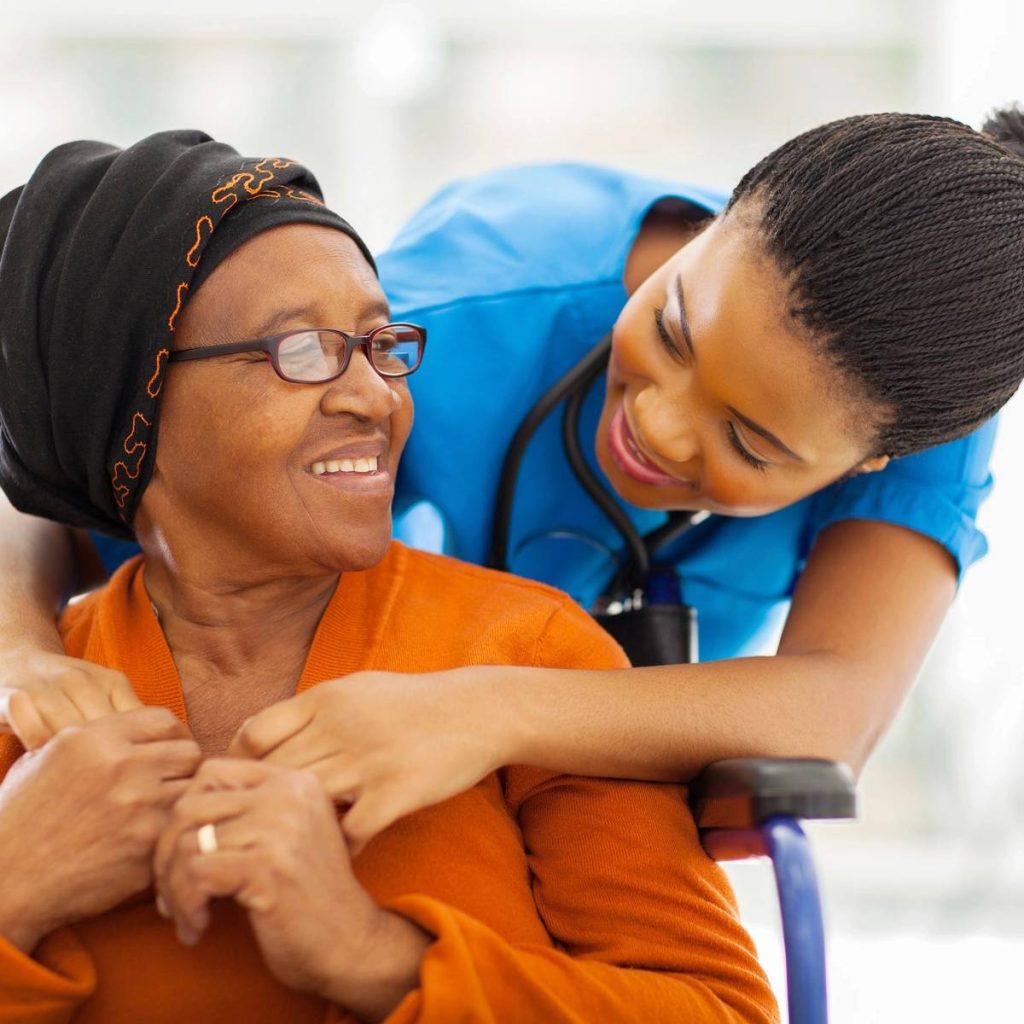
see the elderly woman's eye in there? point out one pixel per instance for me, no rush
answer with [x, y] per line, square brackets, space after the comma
[302, 356]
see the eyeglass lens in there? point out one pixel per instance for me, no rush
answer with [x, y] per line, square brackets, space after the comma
[317, 355]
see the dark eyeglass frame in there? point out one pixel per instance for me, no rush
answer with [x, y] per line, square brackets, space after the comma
[271, 348]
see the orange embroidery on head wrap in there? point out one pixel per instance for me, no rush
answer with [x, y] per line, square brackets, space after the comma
[194, 262]
[131, 445]
[299, 194]
[182, 288]
[242, 185]
[155, 384]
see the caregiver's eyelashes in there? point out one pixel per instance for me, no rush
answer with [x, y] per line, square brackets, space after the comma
[665, 338]
[761, 465]
[684, 323]
[744, 453]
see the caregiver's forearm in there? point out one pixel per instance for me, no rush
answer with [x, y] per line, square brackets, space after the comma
[866, 610]
[667, 723]
[37, 573]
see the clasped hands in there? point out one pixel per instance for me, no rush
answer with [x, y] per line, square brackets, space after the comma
[111, 801]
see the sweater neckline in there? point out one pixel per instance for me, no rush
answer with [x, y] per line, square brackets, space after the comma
[347, 637]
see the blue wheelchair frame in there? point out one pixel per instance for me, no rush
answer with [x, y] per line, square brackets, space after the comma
[752, 807]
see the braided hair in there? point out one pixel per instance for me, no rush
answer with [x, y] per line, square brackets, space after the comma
[901, 239]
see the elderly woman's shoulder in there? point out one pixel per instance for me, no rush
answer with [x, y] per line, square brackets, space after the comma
[433, 570]
[485, 604]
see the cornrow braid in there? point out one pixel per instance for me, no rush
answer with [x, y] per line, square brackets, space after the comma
[902, 240]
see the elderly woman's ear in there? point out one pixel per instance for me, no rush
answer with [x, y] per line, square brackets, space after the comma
[82, 817]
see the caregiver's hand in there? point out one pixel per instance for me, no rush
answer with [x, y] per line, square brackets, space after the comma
[42, 692]
[280, 855]
[79, 819]
[386, 743]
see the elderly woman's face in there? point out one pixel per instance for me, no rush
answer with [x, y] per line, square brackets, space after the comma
[234, 466]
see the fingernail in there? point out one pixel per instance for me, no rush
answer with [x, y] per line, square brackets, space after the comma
[186, 936]
[161, 906]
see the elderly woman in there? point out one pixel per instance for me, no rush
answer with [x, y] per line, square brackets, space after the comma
[132, 282]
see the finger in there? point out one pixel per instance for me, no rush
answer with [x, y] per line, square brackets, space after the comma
[19, 716]
[171, 759]
[231, 773]
[193, 810]
[367, 818]
[96, 691]
[56, 710]
[340, 781]
[175, 879]
[171, 791]
[228, 873]
[122, 696]
[144, 725]
[260, 734]
[88, 697]
[305, 748]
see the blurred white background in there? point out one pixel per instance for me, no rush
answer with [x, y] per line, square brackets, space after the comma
[390, 100]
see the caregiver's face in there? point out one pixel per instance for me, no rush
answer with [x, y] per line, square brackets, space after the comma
[238, 445]
[713, 400]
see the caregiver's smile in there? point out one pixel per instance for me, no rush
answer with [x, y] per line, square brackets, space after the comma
[715, 399]
[628, 451]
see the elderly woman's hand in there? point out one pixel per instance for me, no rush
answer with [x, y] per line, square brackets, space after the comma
[42, 692]
[79, 819]
[385, 743]
[280, 855]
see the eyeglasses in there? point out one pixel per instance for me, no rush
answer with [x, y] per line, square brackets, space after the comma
[316, 355]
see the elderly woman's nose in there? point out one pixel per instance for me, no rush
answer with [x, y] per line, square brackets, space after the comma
[361, 391]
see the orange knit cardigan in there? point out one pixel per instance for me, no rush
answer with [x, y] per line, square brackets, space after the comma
[551, 898]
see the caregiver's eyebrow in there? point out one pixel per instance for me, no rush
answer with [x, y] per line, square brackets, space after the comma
[766, 434]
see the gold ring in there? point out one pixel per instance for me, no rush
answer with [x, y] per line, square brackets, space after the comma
[207, 839]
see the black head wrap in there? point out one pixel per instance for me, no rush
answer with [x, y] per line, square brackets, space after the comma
[100, 251]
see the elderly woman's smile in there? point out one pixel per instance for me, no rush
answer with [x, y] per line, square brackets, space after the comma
[294, 474]
[236, 400]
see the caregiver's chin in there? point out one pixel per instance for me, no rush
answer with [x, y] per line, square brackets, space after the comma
[721, 403]
[251, 508]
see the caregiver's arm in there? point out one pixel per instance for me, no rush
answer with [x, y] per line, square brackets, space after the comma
[37, 574]
[866, 610]
[41, 689]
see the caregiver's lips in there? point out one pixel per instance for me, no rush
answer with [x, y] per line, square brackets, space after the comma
[632, 461]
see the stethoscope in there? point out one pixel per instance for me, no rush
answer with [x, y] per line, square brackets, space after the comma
[641, 578]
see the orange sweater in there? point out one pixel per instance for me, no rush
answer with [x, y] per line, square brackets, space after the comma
[552, 898]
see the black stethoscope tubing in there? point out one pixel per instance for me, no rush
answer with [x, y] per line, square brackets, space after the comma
[573, 387]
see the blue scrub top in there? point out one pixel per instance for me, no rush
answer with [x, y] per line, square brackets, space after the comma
[517, 274]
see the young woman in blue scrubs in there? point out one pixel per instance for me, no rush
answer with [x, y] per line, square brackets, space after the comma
[817, 367]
